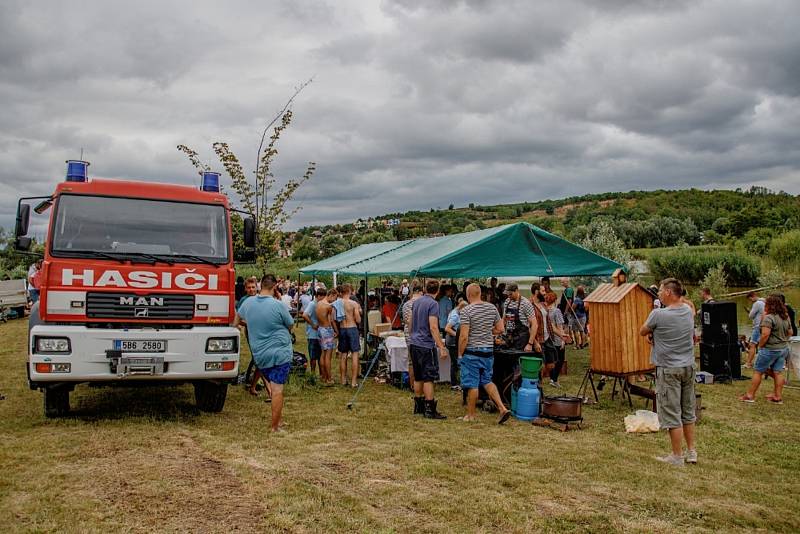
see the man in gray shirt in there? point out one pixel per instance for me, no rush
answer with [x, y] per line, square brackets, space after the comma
[756, 313]
[671, 331]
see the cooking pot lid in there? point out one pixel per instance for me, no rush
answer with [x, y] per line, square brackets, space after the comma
[564, 398]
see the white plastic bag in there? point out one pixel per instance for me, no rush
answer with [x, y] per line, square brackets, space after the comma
[642, 421]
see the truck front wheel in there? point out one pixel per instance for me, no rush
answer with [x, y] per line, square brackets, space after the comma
[56, 401]
[210, 396]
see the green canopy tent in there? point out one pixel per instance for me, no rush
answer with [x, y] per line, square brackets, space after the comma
[519, 249]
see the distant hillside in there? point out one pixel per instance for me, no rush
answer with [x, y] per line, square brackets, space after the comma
[641, 219]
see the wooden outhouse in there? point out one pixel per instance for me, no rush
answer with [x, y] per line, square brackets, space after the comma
[616, 312]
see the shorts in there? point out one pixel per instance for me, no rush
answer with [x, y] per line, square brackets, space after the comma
[349, 340]
[425, 362]
[327, 341]
[774, 359]
[550, 352]
[278, 374]
[577, 324]
[476, 371]
[755, 337]
[675, 396]
[314, 349]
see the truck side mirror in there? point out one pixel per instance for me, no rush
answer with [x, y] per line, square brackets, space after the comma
[23, 243]
[23, 219]
[249, 232]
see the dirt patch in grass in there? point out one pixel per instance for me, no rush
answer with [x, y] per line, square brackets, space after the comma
[173, 486]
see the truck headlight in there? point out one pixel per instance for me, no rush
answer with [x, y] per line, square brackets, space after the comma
[222, 344]
[52, 345]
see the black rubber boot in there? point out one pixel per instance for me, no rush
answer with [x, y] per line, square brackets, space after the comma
[419, 405]
[431, 412]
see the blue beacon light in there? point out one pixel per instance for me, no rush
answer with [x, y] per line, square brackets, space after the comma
[210, 182]
[77, 170]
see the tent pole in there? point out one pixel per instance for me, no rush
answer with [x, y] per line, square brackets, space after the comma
[334, 278]
[365, 311]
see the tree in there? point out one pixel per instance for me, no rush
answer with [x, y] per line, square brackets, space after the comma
[331, 245]
[601, 239]
[716, 280]
[450, 207]
[305, 248]
[269, 214]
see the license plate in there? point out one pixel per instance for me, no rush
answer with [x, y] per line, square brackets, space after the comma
[140, 345]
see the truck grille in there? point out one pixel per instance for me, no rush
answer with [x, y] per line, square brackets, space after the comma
[139, 307]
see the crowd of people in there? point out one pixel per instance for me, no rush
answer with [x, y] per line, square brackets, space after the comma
[467, 325]
[439, 321]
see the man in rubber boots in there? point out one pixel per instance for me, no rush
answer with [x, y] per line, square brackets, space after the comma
[425, 349]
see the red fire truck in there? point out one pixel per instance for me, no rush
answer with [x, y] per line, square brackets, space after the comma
[137, 288]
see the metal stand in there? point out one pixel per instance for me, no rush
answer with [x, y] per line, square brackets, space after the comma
[364, 380]
[588, 379]
[620, 379]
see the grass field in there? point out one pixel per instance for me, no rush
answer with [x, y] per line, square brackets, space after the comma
[142, 460]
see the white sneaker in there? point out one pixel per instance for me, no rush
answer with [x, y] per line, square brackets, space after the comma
[555, 384]
[691, 456]
[671, 459]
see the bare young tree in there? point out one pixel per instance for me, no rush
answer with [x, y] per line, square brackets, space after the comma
[254, 198]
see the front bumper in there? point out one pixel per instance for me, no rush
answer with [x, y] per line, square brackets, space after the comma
[185, 357]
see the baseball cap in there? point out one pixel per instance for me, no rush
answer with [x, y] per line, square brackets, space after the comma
[510, 288]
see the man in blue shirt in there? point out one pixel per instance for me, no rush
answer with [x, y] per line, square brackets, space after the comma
[268, 323]
[425, 344]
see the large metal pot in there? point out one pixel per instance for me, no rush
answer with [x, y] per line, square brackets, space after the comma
[562, 407]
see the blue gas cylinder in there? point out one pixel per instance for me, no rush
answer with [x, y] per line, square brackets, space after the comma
[528, 383]
[528, 401]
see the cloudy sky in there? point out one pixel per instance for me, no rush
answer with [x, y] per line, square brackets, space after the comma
[414, 104]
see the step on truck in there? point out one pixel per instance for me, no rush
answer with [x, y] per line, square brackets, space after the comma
[137, 288]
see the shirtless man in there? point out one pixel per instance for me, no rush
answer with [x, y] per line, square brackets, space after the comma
[327, 332]
[349, 344]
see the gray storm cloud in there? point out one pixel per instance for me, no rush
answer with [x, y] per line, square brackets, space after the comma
[414, 104]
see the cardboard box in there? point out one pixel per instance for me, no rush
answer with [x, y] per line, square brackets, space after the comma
[704, 377]
[381, 327]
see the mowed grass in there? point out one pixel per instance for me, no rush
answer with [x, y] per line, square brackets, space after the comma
[142, 460]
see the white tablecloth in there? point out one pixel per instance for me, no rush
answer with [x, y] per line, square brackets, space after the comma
[398, 358]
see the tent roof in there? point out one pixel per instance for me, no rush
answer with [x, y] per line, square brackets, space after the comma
[519, 249]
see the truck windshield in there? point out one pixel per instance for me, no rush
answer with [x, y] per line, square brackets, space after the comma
[177, 232]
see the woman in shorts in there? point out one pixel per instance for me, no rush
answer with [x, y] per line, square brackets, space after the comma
[773, 349]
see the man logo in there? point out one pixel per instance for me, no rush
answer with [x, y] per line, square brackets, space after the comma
[141, 301]
[141, 312]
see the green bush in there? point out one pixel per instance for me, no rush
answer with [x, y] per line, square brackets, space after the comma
[715, 280]
[785, 249]
[757, 241]
[691, 265]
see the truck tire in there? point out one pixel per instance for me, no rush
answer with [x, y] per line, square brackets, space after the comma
[210, 396]
[56, 401]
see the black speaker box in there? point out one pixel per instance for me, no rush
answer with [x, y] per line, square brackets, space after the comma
[719, 322]
[721, 359]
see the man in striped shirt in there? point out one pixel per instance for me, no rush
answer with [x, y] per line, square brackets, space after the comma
[480, 322]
